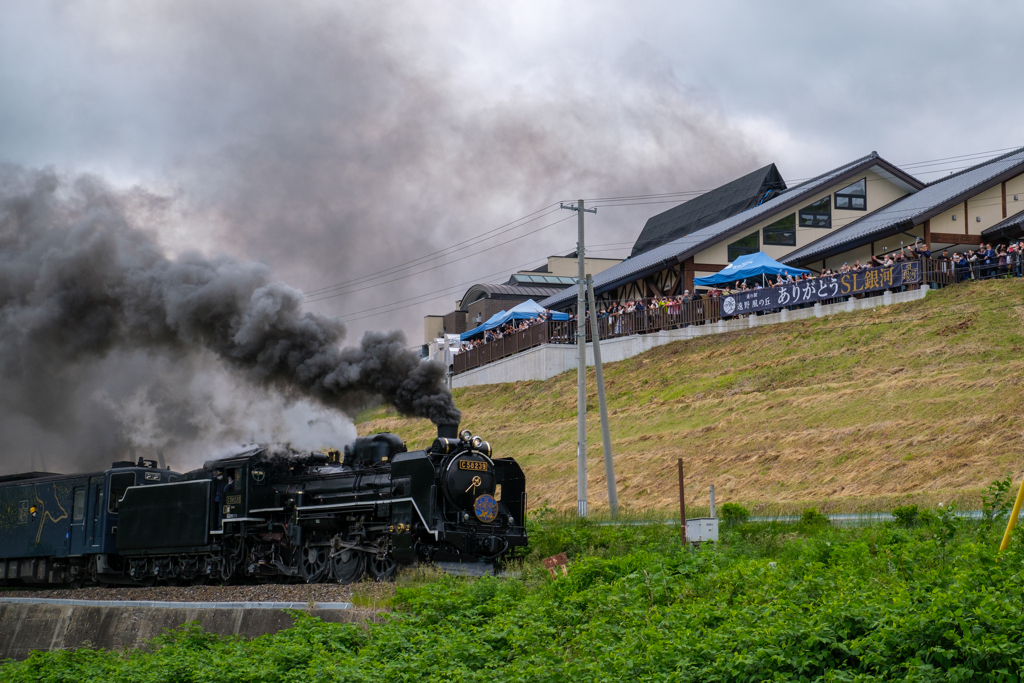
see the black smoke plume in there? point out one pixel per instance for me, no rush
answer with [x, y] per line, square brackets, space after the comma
[80, 283]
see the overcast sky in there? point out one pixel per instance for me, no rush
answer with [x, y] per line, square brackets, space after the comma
[336, 140]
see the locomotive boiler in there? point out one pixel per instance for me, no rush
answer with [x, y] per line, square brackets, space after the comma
[271, 514]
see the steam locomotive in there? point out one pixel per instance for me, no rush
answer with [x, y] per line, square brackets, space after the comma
[268, 514]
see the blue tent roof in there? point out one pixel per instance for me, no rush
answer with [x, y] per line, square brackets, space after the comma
[524, 311]
[751, 265]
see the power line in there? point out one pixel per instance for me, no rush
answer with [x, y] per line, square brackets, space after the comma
[331, 291]
[532, 217]
[520, 222]
[332, 295]
[446, 291]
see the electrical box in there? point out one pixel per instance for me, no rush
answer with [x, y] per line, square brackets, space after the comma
[702, 529]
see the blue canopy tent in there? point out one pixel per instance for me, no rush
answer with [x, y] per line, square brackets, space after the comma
[524, 311]
[750, 265]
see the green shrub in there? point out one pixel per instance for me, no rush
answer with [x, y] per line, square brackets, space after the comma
[880, 603]
[733, 514]
[906, 516]
[997, 500]
[811, 521]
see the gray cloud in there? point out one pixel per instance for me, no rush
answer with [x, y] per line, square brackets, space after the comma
[333, 142]
[81, 285]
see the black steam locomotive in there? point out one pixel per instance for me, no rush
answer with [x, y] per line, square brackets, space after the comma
[268, 514]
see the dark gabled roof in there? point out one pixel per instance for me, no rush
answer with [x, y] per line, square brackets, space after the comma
[679, 250]
[1008, 227]
[914, 209]
[709, 208]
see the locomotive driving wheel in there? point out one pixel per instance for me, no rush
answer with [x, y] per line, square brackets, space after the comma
[348, 565]
[314, 558]
[382, 565]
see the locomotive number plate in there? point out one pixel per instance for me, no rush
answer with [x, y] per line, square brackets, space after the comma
[475, 465]
[234, 500]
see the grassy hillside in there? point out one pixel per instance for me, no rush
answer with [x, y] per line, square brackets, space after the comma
[862, 411]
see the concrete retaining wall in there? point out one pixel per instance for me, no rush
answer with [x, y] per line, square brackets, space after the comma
[28, 625]
[549, 360]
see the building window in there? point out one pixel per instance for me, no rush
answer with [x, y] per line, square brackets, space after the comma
[817, 215]
[743, 246]
[853, 197]
[782, 232]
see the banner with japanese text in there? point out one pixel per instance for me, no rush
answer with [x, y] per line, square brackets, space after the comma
[821, 289]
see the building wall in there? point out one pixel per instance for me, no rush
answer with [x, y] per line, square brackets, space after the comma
[1015, 186]
[894, 242]
[455, 322]
[880, 192]
[482, 309]
[433, 327]
[862, 254]
[944, 221]
[986, 205]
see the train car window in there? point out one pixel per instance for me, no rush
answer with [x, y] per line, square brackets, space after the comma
[119, 483]
[79, 511]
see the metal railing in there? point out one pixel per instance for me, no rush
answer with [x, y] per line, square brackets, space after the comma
[700, 311]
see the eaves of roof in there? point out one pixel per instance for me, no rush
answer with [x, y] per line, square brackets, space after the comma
[1008, 227]
[679, 250]
[904, 213]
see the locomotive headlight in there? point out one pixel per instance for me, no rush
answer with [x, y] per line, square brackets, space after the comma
[466, 435]
[477, 441]
[465, 516]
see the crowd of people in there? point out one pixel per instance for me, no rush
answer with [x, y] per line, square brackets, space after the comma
[1004, 260]
[509, 328]
[637, 315]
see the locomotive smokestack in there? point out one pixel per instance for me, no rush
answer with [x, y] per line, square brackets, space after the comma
[448, 430]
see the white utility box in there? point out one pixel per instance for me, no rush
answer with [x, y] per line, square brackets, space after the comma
[702, 529]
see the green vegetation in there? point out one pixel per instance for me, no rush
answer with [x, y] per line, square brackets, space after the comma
[917, 403]
[922, 601]
[733, 514]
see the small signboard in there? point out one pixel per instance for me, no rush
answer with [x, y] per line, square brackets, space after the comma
[559, 560]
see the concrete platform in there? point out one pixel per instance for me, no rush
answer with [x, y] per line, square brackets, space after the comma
[28, 624]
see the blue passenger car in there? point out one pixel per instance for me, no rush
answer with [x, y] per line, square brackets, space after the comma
[57, 528]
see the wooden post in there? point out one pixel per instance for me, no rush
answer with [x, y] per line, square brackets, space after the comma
[682, 504]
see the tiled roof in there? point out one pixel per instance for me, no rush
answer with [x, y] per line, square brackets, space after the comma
[709, 208]
[913, 209]
[1008, 227]
[680, 249]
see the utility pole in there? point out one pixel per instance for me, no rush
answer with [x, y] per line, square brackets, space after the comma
[581, 343]
[606, 435]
